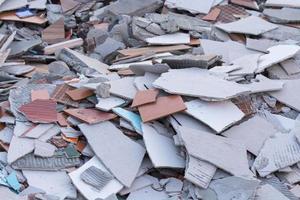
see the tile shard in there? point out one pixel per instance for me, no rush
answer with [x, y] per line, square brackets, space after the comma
[123, 162]
[217, 115]
[219, 151]
[112, 187]
[183, 81]
[40, 110]
[278, 152]
[90, 116]
[250, 25]
[144, 97]
[161, 149]
[163, 107]
[253, 133]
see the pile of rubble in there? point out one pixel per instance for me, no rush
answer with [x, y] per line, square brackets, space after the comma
[150, 99]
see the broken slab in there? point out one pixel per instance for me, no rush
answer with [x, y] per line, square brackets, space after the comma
[251, 25]
[131, 117]
[163, 107]
[169, 39]
[276, 55]
[40, 110]
[192, 6]
[209, 87]
[90, 116]
[51, 49]
[199, 172]
[275, 154]
[227, 154]
[232, 187]
[283, 3]
[107, 104]
[283, 15]
[161, 149]
[43, 149]
[217, 115]
[261, 45]
[263, 84]
[288, 94]
[268, 192]
[144, 97]
[123, 88]
[253, 133]
[19, 147]
[54, 33]
[57, 184]
[124, 161]
[112, 187]
[248, 64]
[148, 193]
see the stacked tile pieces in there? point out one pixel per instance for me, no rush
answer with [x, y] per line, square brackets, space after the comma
[149, 100]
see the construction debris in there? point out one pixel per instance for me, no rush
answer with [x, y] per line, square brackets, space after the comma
[149, 100]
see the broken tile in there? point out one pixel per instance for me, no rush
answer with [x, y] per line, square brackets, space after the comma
[250, 25]
[51, 49]
[112, 187]
[43, 149]
[161, 149]
[219, 151]
[79, 94]
[169, 39]
[123, 88]
[54, 33]
[134, 119]
[39, 94]
[163, 107]
[90, 116]
[217, 115]
[107, 104]
[144, 97]
[194, 7]
[59, 95]
[124, 167]
[40, 110]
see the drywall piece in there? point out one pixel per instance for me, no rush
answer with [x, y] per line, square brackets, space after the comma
[169, 39]
[289, 94]
[217, 115]
[235, 187]
[276, 55]
[161, 149]
[107, 104]
[139, 183]
[279, 151]
[263, 84]
[209, 87]
[251, 25]
[112, 187]
[163, 107]
[283, 3]
[18, 148]
[123, 88]
[148, 193]
[37, 131]
[283, 15]
[53, 183]
[181, 119]
[227, 154]
[43, 149]
[248, 64]
[192, 6]
[199, 172]
[51, 49]
[134, 119]
[121, 155]
[144, 96]
[268, 192]
[89, 62]
[253, 133]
